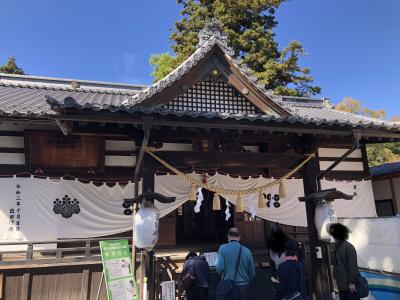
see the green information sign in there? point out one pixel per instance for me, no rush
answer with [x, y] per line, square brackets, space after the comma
[118, 272]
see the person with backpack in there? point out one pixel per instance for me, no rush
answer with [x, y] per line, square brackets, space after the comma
[236, 267]
[289, 279]
[351, 285]
[194, 279]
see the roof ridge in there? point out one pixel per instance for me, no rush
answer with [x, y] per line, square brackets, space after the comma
[363, 117]
[69, 80]
[61, 88]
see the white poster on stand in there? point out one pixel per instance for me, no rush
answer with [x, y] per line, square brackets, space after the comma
[168, 290]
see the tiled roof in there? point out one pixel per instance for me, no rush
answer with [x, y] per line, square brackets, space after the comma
[25, 95]
[317, 113]
[384, 169]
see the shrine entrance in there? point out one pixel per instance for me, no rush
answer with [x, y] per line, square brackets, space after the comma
[207, 226]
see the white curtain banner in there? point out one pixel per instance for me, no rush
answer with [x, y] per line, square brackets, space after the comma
[377, 241]
[34, 209]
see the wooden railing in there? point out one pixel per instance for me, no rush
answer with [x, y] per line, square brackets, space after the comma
[52, 252]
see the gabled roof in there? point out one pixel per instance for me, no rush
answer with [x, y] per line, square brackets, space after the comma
[211, 38]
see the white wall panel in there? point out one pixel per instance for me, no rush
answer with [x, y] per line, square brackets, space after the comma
[11, 141]
[120, 161]
[120, 145]
[12, 159]
[343, 166]
[336, 152]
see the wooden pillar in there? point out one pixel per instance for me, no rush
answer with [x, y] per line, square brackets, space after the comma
[318, 253]
[147, 257]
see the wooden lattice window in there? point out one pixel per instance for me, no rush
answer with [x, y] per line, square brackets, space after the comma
[212, 96]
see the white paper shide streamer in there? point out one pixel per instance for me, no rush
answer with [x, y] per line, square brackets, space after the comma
[199, 200]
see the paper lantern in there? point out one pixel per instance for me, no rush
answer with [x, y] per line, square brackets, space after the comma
[216, 202]
[282, 190]
[325, 215]
[193, 194]
[261, 200]
[239, 204]
[146, 226]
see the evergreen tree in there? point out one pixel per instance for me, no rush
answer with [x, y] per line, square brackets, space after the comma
[248, 24]
[11, 67]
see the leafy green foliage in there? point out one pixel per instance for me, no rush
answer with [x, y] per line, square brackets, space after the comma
[377, 153]
[248, 24]
[163, 61]
[11, 67]
[382, 153]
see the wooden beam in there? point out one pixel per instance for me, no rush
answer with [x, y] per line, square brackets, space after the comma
[86, 283]
[228, 159]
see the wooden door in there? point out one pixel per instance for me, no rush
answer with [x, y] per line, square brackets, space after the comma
[252, 231]
[167, 230]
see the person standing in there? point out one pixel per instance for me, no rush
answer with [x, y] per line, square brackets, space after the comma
[289, 280]
[199, 289]
[235, 263]
[345, 268]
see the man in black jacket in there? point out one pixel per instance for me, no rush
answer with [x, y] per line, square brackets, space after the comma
[345, 269]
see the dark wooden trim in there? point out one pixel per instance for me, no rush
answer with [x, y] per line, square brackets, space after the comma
[229, 159]
[11, 150]
[349, 159]
[347, 175]
[394, 197]
[120, 152]
[189, 122]
[12, 133]
[86, 283]
[364, 155]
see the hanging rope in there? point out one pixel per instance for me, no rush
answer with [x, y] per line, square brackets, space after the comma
[222, 191]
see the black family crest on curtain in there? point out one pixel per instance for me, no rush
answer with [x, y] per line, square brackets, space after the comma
[66, 206]
[273, 200]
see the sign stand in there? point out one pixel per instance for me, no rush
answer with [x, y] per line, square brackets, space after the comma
[100, 285]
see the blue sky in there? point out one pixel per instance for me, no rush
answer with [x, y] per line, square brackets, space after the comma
[353, 45]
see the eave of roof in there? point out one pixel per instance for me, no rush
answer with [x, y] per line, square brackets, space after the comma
[70, 103]
[385, 169]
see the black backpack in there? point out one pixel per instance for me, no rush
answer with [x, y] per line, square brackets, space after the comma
[188, 278]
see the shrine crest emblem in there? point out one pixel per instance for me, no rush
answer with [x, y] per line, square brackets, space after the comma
[66, 206]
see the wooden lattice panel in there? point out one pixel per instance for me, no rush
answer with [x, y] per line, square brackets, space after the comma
[212, 96]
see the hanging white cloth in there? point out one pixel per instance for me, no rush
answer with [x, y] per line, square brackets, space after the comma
[97, 210]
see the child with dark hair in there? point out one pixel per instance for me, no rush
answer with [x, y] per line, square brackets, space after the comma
[345, 268]
[289, 280]
[276, 245]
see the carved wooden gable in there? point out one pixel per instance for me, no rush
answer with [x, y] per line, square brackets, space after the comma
[212, 79]
[213, 95]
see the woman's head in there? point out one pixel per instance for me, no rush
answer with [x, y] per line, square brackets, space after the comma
[277, 239]
[190, 255]
[339, 232]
